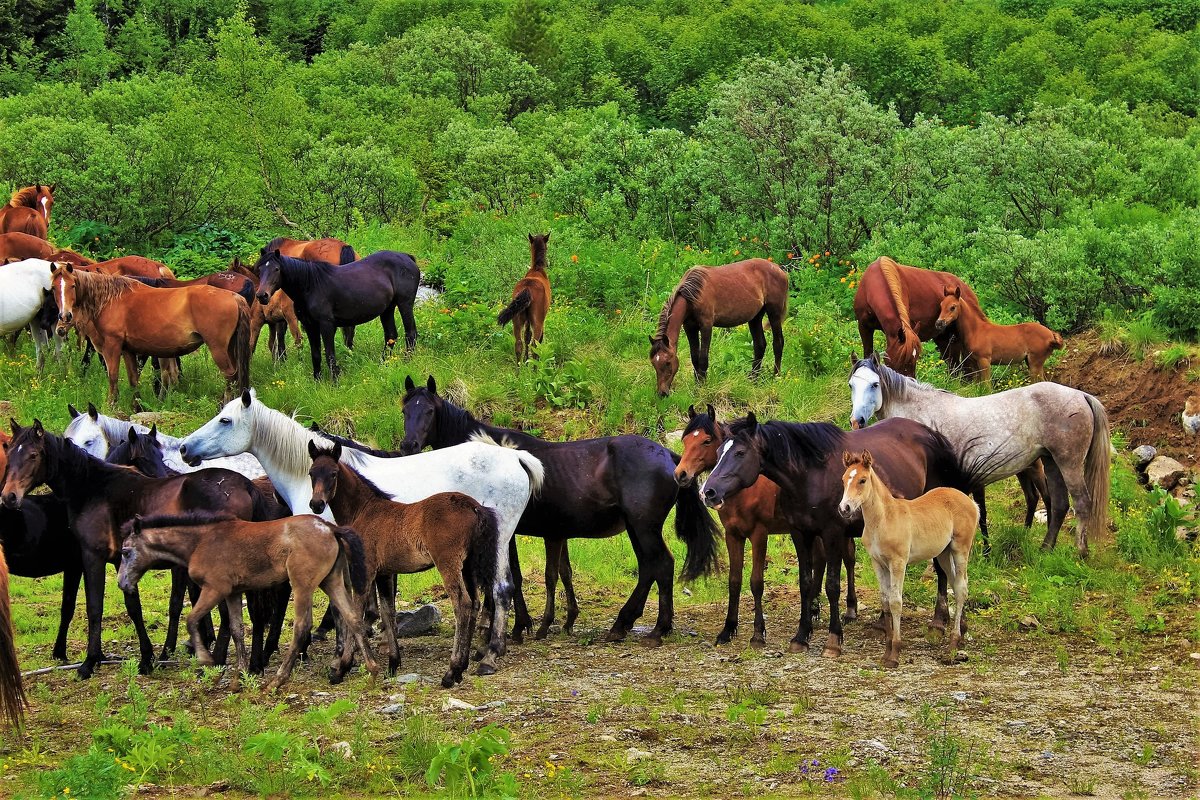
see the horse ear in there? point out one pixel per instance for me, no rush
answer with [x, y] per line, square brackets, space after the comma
[38, 430]
[70, 268]
[52, 187]
[408, 383]
[958, 292]
[313, 450]
[530, 235]
[854, 359]
[946, 291]
[132, 436]
[751, 422]
[653, 341]
[136, 524]
[246, 397]
[72, 410]
[547, 239]
[16, 427]
[93, 413]
[337, 451]
[691, 412]
[866, 459]
[153, 434]
[847, 459]
[712, 412]
[431, 385]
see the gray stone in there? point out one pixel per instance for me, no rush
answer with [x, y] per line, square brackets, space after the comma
[633, 755]
[1166, 472]
[394, 708]
[419, 622]
[1143, 455]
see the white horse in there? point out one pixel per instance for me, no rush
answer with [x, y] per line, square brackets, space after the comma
[24, 287]
[1003, 434]
[96, 433]
[500, 478]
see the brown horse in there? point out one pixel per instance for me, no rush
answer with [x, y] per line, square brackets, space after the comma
[19, 246]
[227, 557]
[229, 281]
[530, 300]
[989, 343]
[900, 301]
[132, 267]
[28, 211]
[125, 318]
[449, 531]
[12, 690]
[749, 515]
[279, 315]
[721, 297]
[329, 250]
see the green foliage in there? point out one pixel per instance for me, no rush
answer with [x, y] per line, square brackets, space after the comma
[467, 768]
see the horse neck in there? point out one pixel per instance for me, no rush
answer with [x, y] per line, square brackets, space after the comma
[76, 476]
[175, 544]
[353, 497]
[877, 507]
[675, 317]
[456, 425]
[299, 274]
[281, 445]
[537, 259]
[971, 323]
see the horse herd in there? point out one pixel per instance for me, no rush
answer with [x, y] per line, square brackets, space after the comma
[216, 507]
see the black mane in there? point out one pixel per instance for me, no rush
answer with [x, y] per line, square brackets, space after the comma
[308, 274]
[799, 444]
[185, 520]
[345, 441]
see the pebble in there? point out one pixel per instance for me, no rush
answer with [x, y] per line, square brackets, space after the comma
[394, 708]
[633, 755]
[960, 697]
[410, 677]
[343, 749]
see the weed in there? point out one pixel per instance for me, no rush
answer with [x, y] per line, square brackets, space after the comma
[1144, 755]
[951, 761]
[1081, 786]
[467, 768]
[1144, 334]
[1173, 357]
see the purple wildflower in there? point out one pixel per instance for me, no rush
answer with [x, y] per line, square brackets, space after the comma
[831, 774]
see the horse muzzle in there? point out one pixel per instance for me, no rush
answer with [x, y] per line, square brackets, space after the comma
[857, 423]
[191, 461]
[408, 449]
[682, 478]
[263, 298]
[12, 500]
[940, 325]
[712, 500]
[317, 506]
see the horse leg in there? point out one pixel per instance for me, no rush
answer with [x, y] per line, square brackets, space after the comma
[522, 621]
[206, 602]
[314, 347]
[663, 565]
[40, 344]
[758, 556]
[895, 568]
[174, 609]
[980, 496]
[301, 625]
[833, 592]
[387, 617]
[350, 610]
[760, 342]
[259, 604]
[463, 601]
[93, 591]
[554, 548]
[410, 325]
[568, 581]
[528, 336]
[775, 317]
[1073, 475]
[692, 332]
[955, 563]
[66, 611]
[866, 335]
[282, 593]
[636, 604]
[388, 320]
[518, 339]
[941, 610]
[735, 546]
[851, 595]
[1056, 510]
[1029, 489]
[133, 371]
[133, 607]
[348, 336]
[327, 332]
[233, 604]
[705, 340]
[804, 579]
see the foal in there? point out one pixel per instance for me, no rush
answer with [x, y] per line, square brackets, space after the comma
[226, 557]
[896, 532]
[448, 530]
[989, 343]
[530, 300]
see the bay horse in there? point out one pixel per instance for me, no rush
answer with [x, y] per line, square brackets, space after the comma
[100, 497]
[722, 297]
[1064, 427]
[18, 246]
[132, 267]
[12, 687]
[530, 300]
[124, 319]
[278, 315]
[500, 478]
[328, 297]
[751, 514]
[331, 251]
[24, 290]
[240, 285]
[901, 301]
[988, 343]
[804, 459]
[227, 556]
[939, 524]
[594, 489]
[449, 531]
[28, 211]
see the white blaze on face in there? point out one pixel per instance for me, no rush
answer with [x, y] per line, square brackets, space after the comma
[62, 294]
[46, 208]
[695, 434]
[720, 455]
[850, 480]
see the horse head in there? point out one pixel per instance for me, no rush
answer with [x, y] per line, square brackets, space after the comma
[665, 360]
[229, 433]
[857, 480]
[130, 571]
[142, 451]
[84, 431]
[951, 308]
[537, 248]
[45, 200]
[738, 465]
[866, 396]
[63, 285]
[270, 269]
[421, 404]
[702, 439]
[323, 474]
[27, 461]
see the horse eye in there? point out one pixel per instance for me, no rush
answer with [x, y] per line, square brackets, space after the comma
[225, 420]
[875, 385]
[90, 442]
[708, 440]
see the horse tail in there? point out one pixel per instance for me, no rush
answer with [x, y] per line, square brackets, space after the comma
[535, 470]
[891, 274]
[239, 346]
[481, 564]
[519, 304]
[1096, 466]
[695, 526]
[351, 548]
[12, 691]
[1056, 340]
[347, 255]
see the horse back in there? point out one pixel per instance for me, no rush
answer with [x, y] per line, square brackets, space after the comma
[735, 293]
[21, 219]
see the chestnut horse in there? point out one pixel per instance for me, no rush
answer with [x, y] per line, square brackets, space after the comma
[530, 300]
[901, 301]
[124, 318]
[749, 514]
[132, 267]
[721, 297]
[28, 211]
[19, 246]
[989, 343]
[279, 315]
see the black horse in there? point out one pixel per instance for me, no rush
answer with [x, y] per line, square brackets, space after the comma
[328, 297]
[594, 488]
[805, 459]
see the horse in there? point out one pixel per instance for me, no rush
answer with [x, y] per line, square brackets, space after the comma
[231, 282]
[28, 211]
[100, 497]
[132, 267]
[530, 300]
[124, 318]
[901, 301]
[24, 289]
[279, 315]
[12, 687]
[1064, 427]
[722, 297]
[1191, 415]
[332, 251]
[804, 459]
[751, 514]
[939, 524]
[989, 343]
[449, 531]
[227, 556]
[500, 478]
[328, 297]
[594, 488]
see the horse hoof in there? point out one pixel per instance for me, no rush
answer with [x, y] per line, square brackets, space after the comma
[724, 638]
[485, 669]
[614, 636]
[890, 663]
[652, 640]
[850, 615]
[145, 667]
[335, 677]
[831, 652]
[936, 625]
[447, 680]
[477, 655]
[517, 636]
[758, 641]
[798, 647]
[542, 632]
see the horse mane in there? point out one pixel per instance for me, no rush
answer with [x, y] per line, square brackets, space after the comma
[306, 271]
[797, 444]
[346, 441]
[537, 253]
[689, 288]
[99, 290]
[455, 423]
[185, 520]
[370, 484]
[892, 383]
[484, 437]
[701, 422]
[276, 437]
[26, 197]
[891, 274]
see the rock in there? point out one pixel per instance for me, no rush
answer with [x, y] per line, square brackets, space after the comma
[419, 622]
[633, 755]
[1041, 516]
[1029, 623]
[875, 744]
[454, 704]
[959, 697]
[394, 708]
[1165, 471]
[411, 677]
[1143, 455]
[674, 436]
[343, 749]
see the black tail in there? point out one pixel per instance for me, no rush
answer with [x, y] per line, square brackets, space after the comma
[479, 569]
[521, 302]
[347, 255]
[352, 549]
[239, 347]
[12, 690]
[967, 469]
[695, 526]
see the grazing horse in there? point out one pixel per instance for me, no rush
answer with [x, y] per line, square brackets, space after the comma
[24, 289]
[989, 343]
[100, 497]
[331, 251]
[227, 556]
[594, 488]
[240, 285]
[28, 211]
[530, 300]
[449, 531]
[1064, 427]
[901, 301]
[132, 267]
[124, 318]
[721, 297]
[500, 478]
[328, 297]
[12, 689]
[279, 315]
[752, 515]
[804, 459]
[939, 524]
